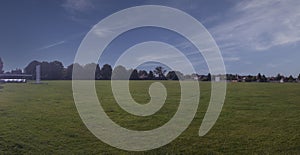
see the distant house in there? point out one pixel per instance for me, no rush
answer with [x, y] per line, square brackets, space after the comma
[244, 79]
[196, 78]
[282, 80]
[217, 79]
[14, 78]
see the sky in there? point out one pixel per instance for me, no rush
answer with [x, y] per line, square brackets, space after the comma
[254, 36]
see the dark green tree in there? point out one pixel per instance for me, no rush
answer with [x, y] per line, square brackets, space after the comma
[1, 66]
[299, 77]
[92, 70]
[291, 79]
[17, 71]
[175, 75]
[254, 79]
[49, 71]
[98, 72]
[231, 77]
[209, 77]
[143, 75]
[160, 72]
[264, 78]
[181, 75]
[134, 75]
[172, 76]
[31, 68]
[150, 76]
[120, 73]
[45, 70]
[189, 77]
[106, 72]
[55, 71]
[259, 78]
[68, 72]
[77, 71]
[278, 77]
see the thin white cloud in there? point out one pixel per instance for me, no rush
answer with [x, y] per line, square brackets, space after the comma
[67, 39]
[109, 30]
[77, 5]
[103, 32]
[261, 25]
[228, 59]
[272, 65]
[210, 19]
[51, 45]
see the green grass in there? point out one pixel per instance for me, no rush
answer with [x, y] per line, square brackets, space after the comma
[257, 118]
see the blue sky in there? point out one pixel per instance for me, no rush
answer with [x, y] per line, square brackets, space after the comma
[253, 35]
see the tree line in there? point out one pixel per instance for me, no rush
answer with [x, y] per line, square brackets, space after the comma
[262, 78]
[55, 70]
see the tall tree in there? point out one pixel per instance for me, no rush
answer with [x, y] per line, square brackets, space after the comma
[264, 78]
[291, 78]
[150, 76]
[56, 69]
[79, 73]
[299, 77]
[143, 75]
[69, 70]
[120, 73]
[31, 68]
[181, 75]
[160, 72]
[106, 72]
[98, 72]
[278, 77]
[134, 75]
[172, 76]
[49, 71]
[259, 78]
[92, 69]
[209, 77]
[45, 70]
[1, 66]
[175, 75]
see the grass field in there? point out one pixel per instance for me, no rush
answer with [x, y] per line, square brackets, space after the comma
[257, 118]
